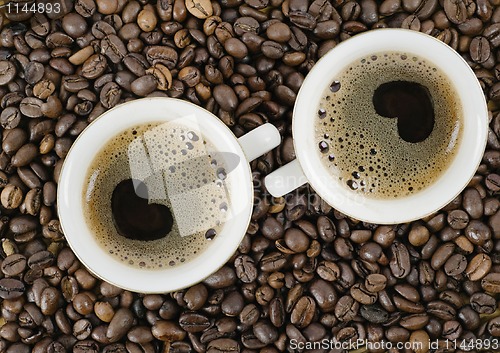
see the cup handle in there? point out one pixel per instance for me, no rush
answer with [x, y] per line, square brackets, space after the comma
[285, 179]
[259, 141]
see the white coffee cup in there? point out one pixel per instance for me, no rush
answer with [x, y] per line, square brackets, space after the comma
[73, 179]
[308, 166]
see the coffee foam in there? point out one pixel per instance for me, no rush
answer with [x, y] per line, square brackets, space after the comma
[181, 172]
[364, 149]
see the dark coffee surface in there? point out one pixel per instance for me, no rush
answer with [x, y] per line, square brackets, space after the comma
[411, 104]
[134, 217]
[303, 272]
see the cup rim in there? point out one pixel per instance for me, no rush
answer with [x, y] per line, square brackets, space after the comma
[404, 209]
[121, 274]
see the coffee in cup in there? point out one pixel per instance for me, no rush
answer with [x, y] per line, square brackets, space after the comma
[156, 194]
[418, 112]
[389, 124]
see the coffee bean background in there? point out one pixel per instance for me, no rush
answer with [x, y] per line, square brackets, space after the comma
[303, 270]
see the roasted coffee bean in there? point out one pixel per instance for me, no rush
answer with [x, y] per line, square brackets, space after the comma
[441, 310]
[455, 265]
[478, 267]
[13, 264]
[303, 312]
[10, 118]
[272, 49]
[224, 277]
[479, 49]
[375, 282]
[456, 10]
[477, 232]
[250, 314]
[7, 72]
[346, 308]
[276, 312]
[265, 332]
[110, 94]
[193, 322]
[11, 288]
[225, 97]
[483, 303]
[122, 321]
[458, 219]
[167, 331]
[273, 262]
[400, 261]
[195, 297]
[374, 314]
[245, 268]
[223, 345]
[31, 107]
[11, 196]
[112, 47]
[362, 295]
[491, 283]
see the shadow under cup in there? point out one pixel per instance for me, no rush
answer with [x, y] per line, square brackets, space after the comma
[237, 196]
[450, 182]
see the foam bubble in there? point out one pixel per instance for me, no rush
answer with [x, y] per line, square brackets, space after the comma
[365, 148]
[187, 184]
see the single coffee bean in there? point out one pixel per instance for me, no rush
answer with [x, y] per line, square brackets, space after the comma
[478, 267]
[400, 261]
[477, 232]
[265, 332]
[167, 331]
[374, 314]
[458, 219]
[303, 312]
[31, 107]
[483, 303]
[472, 203]
[110, 94]
[455, 265]
[346, 308]
[223, 345]
[329, 271]
[441, 255]
[122, 321]
[491, 283]
[224, 277]
[272, 49]
[11, 288]
[324, 294]
[375, 282]
[479, 50]
[276, 312]
[455, 10]
[419, 235]
[7, 72]
[225, 97]
[13, 264]
[249, 314]
[245, 268]
[11, 196]
[362, 295]
[193, 322]
[441, 310]
[10, 118]
[279, 32]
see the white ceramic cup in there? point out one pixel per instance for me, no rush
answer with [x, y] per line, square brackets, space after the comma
[309, 168]
[73, 179]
